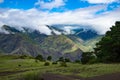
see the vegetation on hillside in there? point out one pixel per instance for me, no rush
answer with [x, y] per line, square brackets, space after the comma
[108, 49]
[14, 68]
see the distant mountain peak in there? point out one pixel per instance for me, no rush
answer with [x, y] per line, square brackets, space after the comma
[9, 29]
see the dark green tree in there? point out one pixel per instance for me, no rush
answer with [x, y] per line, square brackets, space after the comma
[49, 58]
[39, 57]
[77, 61]
[63, 64]
[67, 60]
[46, 64]
[88, 58]
[61, 59]
[108, 49]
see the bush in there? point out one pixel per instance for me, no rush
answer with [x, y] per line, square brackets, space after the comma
[46, 64]
[54, 62]
[77, 61]
[61, 59]
[63, 64]
[39, 57]
[19, 65]
[49, 58]
[67, 60]
[88, 58]
[23, 56]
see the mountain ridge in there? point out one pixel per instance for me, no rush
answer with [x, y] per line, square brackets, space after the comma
[33, 43]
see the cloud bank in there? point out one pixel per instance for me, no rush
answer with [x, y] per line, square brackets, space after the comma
[36, 19]
[50, 5]
[101, 1]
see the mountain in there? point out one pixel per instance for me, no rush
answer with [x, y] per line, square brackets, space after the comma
[60, 43]
[85, 34]
[83, 37]
[32, 43]
[81, 32]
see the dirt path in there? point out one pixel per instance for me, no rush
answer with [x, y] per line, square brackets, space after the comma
[50, 76]
[114, 76]
[10, 72]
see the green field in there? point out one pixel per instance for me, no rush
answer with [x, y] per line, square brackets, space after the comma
[13, 68]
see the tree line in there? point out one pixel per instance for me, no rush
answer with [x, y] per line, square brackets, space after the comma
[107, 49]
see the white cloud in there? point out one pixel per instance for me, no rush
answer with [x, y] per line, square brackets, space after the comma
[1, 1]
[101, 1]
[36, 19]
[50, 5]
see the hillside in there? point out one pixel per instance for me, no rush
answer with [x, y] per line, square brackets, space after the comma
[85, 45]
[33, 43]
[59, 42]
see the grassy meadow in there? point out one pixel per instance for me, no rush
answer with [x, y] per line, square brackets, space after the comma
[14, 68]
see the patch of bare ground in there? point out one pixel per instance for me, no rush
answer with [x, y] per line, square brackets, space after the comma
[113, 76]
[5, 73]
[48, 76]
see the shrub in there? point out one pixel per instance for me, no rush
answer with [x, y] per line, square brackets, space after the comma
[19, 65]
[88, 58]
[23, 56]
[54, 62]
[39, 57]
[46, 64]
[67, 60]
[49, 58]
[77, 61]
[61, 59]
[63, 64]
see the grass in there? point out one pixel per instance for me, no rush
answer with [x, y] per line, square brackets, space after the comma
[30, 70]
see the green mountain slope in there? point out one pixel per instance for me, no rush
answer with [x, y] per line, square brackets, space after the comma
[87, 45]
[59, 43]
[34, 43]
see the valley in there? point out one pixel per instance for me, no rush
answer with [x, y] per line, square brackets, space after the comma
[31, 55]
[59, 39]
[12, 67]
[32, 42]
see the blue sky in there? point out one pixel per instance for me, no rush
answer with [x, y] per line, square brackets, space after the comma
[98, 14]
[68, 4]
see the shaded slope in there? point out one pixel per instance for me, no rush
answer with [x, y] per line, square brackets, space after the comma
[63, 45]
[87, 45]
[33, 43]
[59, 43]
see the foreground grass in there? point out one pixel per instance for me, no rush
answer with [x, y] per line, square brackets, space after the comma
[12, 68]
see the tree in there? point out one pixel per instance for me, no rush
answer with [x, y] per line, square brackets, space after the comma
[49, 58]
[55, 62]
[88, 57]
[77, 61]
[39, 57]
[61, 59]
[108, 49]
[63, 64]
[46, 64]
[67, 60]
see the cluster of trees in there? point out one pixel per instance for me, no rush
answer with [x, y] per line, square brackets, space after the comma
[62, 61]
[41, 58]
[108, 49]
